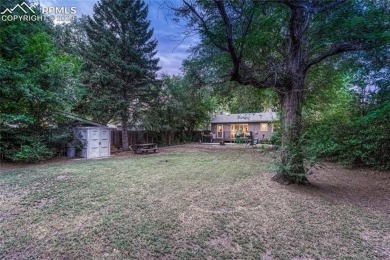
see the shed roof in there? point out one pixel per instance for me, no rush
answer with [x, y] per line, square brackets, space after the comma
[245, 118]
[84, 121]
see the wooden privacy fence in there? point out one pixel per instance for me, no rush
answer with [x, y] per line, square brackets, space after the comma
[134, 137]
[161, 138]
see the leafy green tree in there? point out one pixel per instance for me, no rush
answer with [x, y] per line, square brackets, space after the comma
[120, 63]
[233, 99]
[275, 44]
[228, 96]
[347, 121]
[181, 105]
[37, 81]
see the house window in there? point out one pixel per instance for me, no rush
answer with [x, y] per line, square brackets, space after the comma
[263, 127]
[234, 128]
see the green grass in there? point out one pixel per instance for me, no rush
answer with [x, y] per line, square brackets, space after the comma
[187, 204]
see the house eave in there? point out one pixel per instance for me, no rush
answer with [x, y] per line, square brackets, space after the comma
[245, 118]
[241, 122]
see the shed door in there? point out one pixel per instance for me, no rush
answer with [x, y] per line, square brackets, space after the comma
[94, 144]
[104, 143]
[82, 135]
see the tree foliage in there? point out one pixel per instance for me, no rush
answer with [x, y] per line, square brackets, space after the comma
[348, 121]
[120, 64]
[37, 81]
[180, 106]
[275, 44]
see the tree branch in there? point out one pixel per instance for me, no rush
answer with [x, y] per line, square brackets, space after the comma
[336, 49]
[327, 7]
[292, 4]
[203, 23]
[238, 73]
[245, 32]
[255, 82]
[309, 6]
[229, 36]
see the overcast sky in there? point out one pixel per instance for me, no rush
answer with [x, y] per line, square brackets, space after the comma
[172, 45]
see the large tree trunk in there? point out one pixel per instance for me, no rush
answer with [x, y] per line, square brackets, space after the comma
[170, 137]
[125, 136]
[291, 168]
[125, 119]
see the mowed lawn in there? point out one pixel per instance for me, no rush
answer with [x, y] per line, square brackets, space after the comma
[189, 202]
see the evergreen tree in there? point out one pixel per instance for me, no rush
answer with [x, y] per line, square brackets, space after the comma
[120, 60]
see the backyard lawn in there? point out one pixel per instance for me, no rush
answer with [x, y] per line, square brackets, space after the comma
[191, 201]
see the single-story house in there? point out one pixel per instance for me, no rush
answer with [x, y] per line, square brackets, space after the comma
[225, 127]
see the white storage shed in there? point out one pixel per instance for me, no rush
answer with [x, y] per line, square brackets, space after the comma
[96, 140]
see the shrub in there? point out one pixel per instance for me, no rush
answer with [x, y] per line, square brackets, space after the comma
[35, 152]
[275, 139]
[367, 140]
[363, 141]
[32, 145]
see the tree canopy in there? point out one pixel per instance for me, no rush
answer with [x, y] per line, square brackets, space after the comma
[37, 81]
[274, 44]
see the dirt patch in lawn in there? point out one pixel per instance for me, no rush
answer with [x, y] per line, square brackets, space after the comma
[224, 242]
[363, 187]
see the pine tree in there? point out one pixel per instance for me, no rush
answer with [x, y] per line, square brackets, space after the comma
[120, 59]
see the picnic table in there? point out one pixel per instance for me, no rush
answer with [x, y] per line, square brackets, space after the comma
[142, 148]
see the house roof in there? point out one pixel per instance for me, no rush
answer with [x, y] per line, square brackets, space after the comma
[245, 118]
